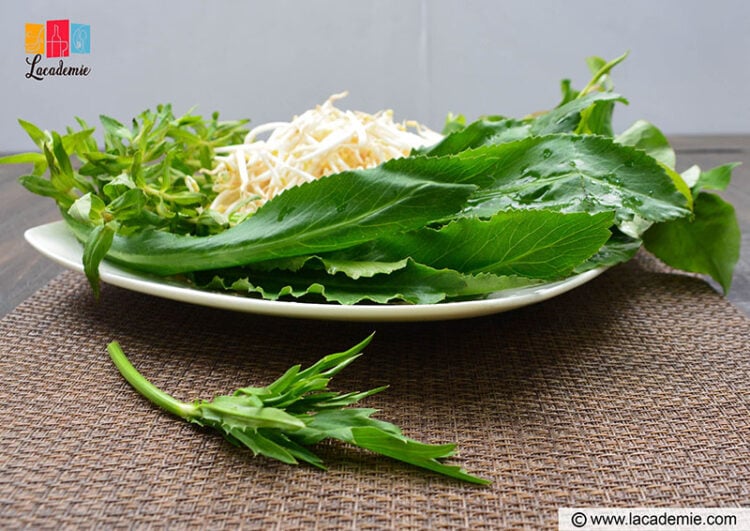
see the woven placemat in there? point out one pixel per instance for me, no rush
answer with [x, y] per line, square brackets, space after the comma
[633, 390]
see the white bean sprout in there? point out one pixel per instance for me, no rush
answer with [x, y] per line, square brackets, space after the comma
[319, 142]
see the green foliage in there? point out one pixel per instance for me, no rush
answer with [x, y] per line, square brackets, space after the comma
[708, 242]
[298, 410]
[150, 188]
[147, 176]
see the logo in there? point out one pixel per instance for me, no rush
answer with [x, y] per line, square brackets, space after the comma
[56, 39]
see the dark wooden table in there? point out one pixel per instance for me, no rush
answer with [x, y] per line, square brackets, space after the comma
[23, 270]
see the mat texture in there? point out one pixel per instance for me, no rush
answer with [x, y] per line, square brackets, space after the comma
[633, 390]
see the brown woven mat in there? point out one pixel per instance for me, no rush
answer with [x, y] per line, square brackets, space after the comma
[633, 390]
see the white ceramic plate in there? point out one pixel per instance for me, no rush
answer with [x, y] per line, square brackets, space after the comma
[55, 241]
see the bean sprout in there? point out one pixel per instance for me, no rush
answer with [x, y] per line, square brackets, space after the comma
[319, 142]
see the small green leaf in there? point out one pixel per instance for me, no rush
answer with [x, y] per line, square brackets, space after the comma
[114, 128]
[128, 206]
[454, 123]
[361, 268]
[567, 118]
[259, 444]
[23, 158]
[62, 157]
[568, 92]
[487, 130]
[185, 198]
[41, 186]
[87, 209]
[296, 450]
[79, 141]
[647, 137]
[717, 178]
[118, 186]
[412, 452]
[94, 250]
[602, 71]
[230, 411]
[38, 136]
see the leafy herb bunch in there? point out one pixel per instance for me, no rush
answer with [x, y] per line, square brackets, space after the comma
[146, 176]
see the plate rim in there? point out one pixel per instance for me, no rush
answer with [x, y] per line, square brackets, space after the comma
[60, 246]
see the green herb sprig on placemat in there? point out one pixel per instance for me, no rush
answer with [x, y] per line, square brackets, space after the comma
[297, 410]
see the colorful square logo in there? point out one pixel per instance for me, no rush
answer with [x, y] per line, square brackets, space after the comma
[35, 38]
[58, 38]
[80, 38]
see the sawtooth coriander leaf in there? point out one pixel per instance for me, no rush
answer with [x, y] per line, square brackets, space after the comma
[297, 410]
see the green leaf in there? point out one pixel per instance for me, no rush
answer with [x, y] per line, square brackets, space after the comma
[114, 130]
[94, 250]
[597, 119]
[717, 178]
[23, 158]
[708, 244]
[255, 441]
[498, 130]
[296, 450]
[415, 284]
[79, 141]
[411, 452]
[535, 244]
[87, 209]
[362, 268]
[573, 173]
[566, 118]
[128, 207]
[338, 424]
[647, 137]
[619, 249]
[229, 411]
[43, 187]
[38, 136]
[601, 73]
[118, 186]
[454, 123]
[568, 92]
[485, 131]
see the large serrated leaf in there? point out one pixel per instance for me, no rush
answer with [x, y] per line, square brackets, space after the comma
[573, 173]
[538, 244]
[415, 284]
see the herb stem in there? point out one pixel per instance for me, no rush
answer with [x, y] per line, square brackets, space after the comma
[146, 388]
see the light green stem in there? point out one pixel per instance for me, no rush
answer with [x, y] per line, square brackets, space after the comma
[146, 388]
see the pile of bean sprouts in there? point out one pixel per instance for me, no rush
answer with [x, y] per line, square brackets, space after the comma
[319, 142]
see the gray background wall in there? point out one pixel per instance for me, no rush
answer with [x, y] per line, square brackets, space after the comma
[267, 60]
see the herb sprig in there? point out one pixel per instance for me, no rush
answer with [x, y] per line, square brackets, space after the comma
[297, 410]
[147, 176]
